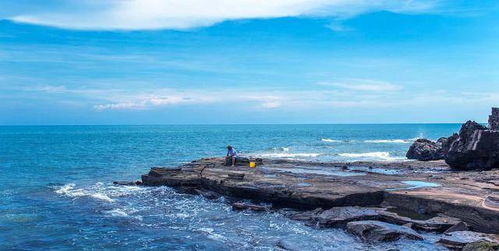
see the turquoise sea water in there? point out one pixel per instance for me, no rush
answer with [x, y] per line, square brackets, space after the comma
[56, 191]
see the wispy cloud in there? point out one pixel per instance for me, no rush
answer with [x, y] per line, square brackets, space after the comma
[147, 101]
[352, 96]
[363, 85]
[184, 14]
[150, 98]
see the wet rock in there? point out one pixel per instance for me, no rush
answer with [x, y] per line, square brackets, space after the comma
[374, 231]
[248, 206]
[340, 216]
[308, 216]
[424, 149]
[476, 147]
[461, 226]
[127, 183]
[459, 239]
[439, 223]
[481, 246]
[208, 194]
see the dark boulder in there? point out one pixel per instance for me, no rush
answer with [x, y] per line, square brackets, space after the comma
[475, 147]
[494, 119]
[424, 149]
[374, 231]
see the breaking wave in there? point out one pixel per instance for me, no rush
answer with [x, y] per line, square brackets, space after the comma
[287, 155]
[388, 141]
[331, 140]
[373, 141]
[98, 191]
[280, 149]
[370, 156]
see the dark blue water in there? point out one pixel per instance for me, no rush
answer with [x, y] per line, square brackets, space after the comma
[56, 191]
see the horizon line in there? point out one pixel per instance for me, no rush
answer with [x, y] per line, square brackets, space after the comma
[215, 124]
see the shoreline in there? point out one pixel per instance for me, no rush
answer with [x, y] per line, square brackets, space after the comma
[420, 189]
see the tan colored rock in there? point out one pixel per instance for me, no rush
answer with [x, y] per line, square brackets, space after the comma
[307, 185]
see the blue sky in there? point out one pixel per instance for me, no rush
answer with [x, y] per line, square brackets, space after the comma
[242, 61]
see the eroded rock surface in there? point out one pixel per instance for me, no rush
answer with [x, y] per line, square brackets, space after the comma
[373, 231]
[340, 216]
[361, 191]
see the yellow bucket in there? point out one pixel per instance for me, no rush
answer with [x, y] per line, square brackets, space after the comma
[252, 164]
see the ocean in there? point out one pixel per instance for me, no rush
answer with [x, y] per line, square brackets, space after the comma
[57, 194]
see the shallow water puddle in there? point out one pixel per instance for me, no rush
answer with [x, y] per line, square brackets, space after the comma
[414, 184]
[374, 170]
[315, 170]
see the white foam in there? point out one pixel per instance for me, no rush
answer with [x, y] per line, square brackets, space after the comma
[330, 140]
[65, 189]
[212, 235]
[288, 155]
[370, 155]
[117, 212]
[101, 196]
[388, 141]
[95, 192]
[280, 149]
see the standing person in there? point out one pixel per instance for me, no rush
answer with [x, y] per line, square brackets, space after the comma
[231, 154]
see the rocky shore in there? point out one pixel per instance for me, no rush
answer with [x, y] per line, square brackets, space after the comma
[474, 147]
[377, 201]
[451, 188]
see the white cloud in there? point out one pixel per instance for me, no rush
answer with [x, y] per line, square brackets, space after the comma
[364, 85]
[258, 100]
[120, 106]
[146, 100]
[184, 14]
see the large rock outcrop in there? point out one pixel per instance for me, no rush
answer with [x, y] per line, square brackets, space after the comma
[494, 119]
[475, 147]
[424, 149]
